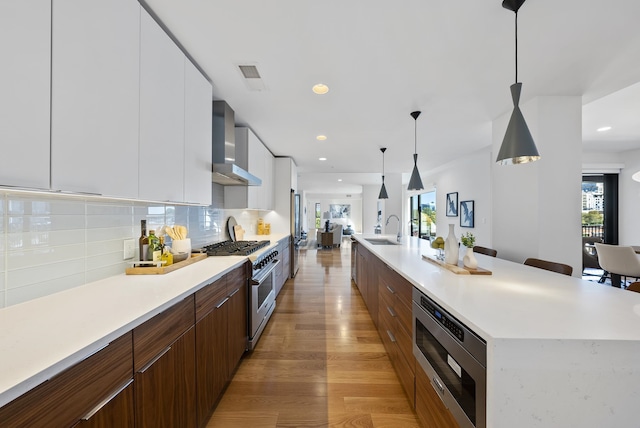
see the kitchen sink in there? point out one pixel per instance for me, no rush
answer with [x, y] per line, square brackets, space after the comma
[379, 241]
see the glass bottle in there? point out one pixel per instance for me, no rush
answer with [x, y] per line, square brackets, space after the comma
[143, 241]
[153, 251]
[165, 255]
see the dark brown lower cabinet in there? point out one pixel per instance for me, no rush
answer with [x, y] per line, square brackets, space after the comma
[93, 387]
[221, 336]
[165, 374]
[117, 411]
[212, 360]
[238, 290]
[429, 407]
[165, 389]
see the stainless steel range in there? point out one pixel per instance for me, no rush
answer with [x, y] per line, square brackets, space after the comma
[262, 297]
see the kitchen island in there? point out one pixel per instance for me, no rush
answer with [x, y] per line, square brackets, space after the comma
[561, 352]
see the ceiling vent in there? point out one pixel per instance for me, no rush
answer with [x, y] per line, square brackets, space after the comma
[252, 77]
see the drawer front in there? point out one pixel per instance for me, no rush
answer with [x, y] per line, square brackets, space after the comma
[237, 276]
[155, 335]
[208, 297]
[405, 347]
[429, 407]
[388, 339]
[407, 378]
[67, 397]
[405, 317]
[400, 286]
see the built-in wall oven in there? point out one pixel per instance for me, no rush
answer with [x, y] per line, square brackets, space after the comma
[454, 359]
[262, 298]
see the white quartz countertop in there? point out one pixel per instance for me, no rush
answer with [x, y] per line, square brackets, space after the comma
[516, 301]
[42, 337]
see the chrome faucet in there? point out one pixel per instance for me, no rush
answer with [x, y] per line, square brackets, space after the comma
[398, 235]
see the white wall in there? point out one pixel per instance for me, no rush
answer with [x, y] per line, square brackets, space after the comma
[468, 175]
[355, 220]
[370, 207]
[536, 207]
[629, 200]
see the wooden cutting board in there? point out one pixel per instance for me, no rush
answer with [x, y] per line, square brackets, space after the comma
[458, 269]
[153, 270]
[239, 232]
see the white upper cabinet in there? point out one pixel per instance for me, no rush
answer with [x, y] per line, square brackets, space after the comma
[25, 49]
[252, 154]
[197, 136]
[162, 94]
[95, 93]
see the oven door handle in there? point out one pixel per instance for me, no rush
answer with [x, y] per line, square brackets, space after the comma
[257, 280]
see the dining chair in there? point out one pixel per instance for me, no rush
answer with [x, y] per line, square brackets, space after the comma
[551, 266]
[618, 259]
[634, 286]
[486, 251]
[590, 255]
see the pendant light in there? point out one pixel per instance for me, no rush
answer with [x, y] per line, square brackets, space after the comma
[415, 183]
[517, 146]
[383, 190]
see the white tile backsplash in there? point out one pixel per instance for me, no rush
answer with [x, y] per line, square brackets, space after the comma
[44, 256]
[49, 243]
[33, 291]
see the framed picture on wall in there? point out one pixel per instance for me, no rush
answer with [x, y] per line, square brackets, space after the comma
[466, 214]
[452, 204]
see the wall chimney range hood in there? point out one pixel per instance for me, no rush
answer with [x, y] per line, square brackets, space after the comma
[226, 170]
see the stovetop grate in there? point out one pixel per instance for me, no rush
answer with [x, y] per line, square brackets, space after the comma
[234, 248]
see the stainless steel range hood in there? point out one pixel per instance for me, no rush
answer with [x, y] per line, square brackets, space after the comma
[226, 170]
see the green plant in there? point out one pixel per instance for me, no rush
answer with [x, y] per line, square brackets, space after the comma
[468, 240]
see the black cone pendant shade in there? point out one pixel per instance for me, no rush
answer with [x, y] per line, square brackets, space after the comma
[415, 182]
[383, 189]
[517, 146]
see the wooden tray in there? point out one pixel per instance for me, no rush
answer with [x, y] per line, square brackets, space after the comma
[153, 270]
[459, 269]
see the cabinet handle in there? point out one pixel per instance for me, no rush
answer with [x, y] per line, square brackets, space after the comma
[219, 305]
[393, 314]
[391, 290]
[106, 401]
[152, 362]
[234, 292]
[391, 336]
[96, 351]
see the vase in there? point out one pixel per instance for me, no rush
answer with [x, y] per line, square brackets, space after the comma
[451, 249]
[469, 260]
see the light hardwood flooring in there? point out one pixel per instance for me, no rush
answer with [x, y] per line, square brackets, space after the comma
[319, 362]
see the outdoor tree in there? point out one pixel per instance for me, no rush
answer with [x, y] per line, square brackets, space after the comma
[592, 218]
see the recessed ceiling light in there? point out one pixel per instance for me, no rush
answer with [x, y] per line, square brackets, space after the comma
[321, 137]
[320, 89]
[322, 159]
[339, 179]
[604, 128]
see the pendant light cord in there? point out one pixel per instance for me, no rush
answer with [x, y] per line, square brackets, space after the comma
[516, 46]
[415, 135]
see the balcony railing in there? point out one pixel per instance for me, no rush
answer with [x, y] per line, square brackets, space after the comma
[593, 230]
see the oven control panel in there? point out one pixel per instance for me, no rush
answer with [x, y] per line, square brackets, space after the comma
[443, 318]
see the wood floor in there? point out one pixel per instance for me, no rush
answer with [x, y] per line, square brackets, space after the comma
[319, 362]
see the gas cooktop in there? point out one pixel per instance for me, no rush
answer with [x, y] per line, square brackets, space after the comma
[233, 248]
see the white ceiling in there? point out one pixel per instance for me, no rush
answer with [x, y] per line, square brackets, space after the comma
[453, 60]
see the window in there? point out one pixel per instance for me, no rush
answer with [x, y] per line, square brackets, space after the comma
[423, 215]
[600, 207]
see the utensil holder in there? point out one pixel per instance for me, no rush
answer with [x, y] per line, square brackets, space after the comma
[181, 246]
